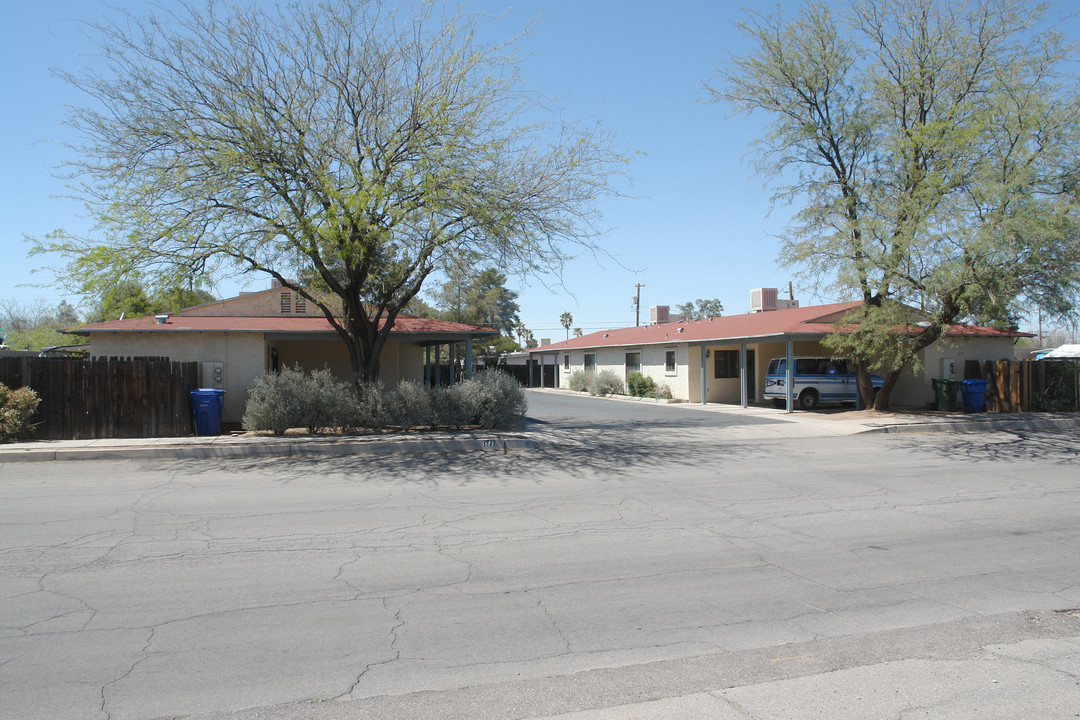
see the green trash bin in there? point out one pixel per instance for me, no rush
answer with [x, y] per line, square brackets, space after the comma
[945, 394]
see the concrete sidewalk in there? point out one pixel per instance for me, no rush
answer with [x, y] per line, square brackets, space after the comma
[245, 445]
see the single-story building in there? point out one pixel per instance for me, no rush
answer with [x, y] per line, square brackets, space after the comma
[239, 339]
[724, 359]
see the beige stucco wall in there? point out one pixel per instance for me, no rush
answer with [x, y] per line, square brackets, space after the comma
[916, 390]
[265, 303]
[398, 361]
[241, 353]
[912, 390]
[246, 356]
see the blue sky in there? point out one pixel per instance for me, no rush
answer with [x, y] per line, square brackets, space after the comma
[695, 223]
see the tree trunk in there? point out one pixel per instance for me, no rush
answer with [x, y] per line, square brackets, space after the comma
[884, 395]
[863, 384]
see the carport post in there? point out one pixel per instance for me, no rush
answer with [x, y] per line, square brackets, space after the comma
[427, 365]
[468, 358]
[530, 361]
[438, 365]
[453, 366]
[541, 370]
[743, 393]
[703, 395]
[789, 376]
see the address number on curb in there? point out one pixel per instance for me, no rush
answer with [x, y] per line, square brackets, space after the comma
[489, 443]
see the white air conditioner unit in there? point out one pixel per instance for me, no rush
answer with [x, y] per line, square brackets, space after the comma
[659, 314]
[762, 299]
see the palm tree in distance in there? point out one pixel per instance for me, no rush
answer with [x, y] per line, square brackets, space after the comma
[567, 320]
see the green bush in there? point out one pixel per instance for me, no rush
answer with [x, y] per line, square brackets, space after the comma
[579, 380]
[640, 385]
[606, 382]
[17, 408]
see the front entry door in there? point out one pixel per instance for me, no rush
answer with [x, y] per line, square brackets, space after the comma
[751, 378]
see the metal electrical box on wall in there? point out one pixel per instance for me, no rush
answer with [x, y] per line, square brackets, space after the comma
[949, 369]
[212, 375]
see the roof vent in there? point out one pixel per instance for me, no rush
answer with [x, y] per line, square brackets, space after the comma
[605, 334]
[679, 330]
[161, 319]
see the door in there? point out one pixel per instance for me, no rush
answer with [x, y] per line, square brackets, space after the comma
[751, 377]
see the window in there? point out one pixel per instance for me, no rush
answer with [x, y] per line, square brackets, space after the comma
[633, 362]
[286, 303]
[566, 362]
[725, 363]
[669, 362]
[590, 363]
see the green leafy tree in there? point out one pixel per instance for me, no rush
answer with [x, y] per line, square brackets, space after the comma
[566, 320]
[700, 309]
[578, 332]
[35, 326]
[129, 298]
[354, 143]
[931, 148]
[478, 298]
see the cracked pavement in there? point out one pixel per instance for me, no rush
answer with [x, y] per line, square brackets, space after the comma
[652, 565]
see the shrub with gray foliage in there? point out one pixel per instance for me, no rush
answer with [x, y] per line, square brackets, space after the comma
[606, 382]
[317, 401]
[579, 380]
[494, 400]
[291, 398]
[411, 405]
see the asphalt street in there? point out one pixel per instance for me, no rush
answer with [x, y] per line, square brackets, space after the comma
[648, 561]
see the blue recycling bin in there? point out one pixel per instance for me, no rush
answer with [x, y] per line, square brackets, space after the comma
[973, 393]
[207, 404]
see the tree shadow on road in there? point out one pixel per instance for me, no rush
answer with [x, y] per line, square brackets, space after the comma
[1061, 446]
[594, 453]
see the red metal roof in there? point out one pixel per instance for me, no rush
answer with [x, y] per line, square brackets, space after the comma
[201, 323]
[812, 320]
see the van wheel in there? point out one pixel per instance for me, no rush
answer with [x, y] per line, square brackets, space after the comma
[808, 399]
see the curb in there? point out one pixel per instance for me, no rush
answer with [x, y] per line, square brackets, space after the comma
[968, 426]
[278, 450]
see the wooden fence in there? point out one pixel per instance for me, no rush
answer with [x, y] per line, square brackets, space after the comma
[1027, 385]
[106, 397]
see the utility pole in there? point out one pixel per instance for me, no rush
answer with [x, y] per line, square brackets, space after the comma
[637, 305]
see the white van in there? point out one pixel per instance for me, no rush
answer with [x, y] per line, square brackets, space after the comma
[817, 380]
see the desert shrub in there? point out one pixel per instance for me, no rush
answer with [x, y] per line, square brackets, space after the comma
[318, 401]
[411, 405]
[579, 380]
[371, 407]
[639, 385]
[449, 407]
[17, 408]
[606, 382]
[662, 391]
[290, 398]
[493, 400]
